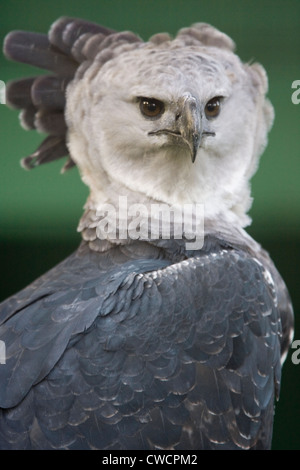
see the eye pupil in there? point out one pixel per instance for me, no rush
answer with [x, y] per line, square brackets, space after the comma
[212, 108]
[150, 107]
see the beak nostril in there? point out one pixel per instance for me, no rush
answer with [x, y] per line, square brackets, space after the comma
[177, 116]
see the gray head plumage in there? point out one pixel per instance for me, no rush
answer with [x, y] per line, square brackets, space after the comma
[68, 50]
[90, 64]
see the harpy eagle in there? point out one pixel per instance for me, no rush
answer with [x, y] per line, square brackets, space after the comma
[142, 341]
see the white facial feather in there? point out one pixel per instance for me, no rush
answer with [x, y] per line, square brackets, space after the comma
[109, 137]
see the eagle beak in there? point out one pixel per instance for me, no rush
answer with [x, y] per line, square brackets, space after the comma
[186, 130]
[190, 124]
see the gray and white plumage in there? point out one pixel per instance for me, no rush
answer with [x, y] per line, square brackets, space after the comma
[143, 344]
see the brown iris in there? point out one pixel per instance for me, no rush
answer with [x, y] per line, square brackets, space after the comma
[213, 107]
[151, 107]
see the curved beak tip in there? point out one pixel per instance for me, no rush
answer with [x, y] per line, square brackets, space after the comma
[194, 146]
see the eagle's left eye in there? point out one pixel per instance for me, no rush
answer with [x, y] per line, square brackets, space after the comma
[213, 107]
[150, 107]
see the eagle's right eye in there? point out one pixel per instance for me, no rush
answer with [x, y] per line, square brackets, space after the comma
[213, 107]
[152, 108]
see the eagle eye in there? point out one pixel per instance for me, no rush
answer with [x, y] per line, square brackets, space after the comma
[150, 107]
[213, 107]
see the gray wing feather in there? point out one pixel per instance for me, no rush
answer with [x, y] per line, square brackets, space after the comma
[144, 353]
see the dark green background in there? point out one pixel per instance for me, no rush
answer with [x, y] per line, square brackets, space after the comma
[39, 210]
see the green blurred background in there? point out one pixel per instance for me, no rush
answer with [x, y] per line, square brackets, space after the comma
[39, 210]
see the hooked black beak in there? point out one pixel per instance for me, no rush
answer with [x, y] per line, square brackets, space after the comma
[187, 125]
[190, 126]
